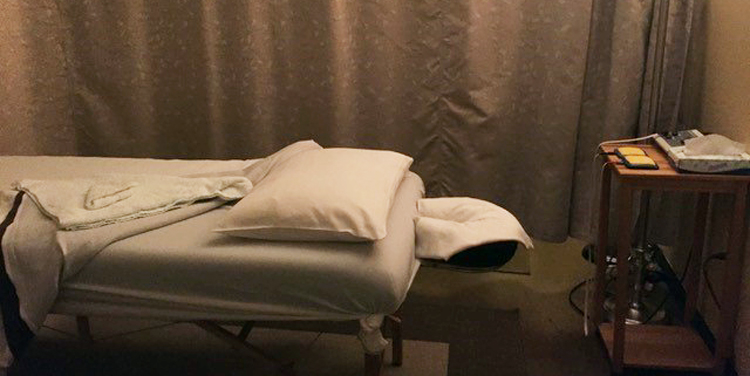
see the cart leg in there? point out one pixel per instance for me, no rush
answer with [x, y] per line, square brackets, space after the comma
[732, 281]
[601, 246]
[692, 279]
[624, 234]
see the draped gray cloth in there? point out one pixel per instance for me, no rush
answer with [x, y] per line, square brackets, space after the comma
[500, 100]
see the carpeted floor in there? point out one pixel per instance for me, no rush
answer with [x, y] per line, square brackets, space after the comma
[138, 347]
[489, 324]
[482, 341]
[552, 332]
[439, 340]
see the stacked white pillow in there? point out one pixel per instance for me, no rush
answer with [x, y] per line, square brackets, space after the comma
[316, 194]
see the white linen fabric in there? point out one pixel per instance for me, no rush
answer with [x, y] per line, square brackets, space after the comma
[370, 335]
[37, 256]
[256, 172]
[82, 203]
[449, 225]
[33, 250]
[186, 271]
[261, 167]
[16, 168]
[47, 266]
[335, 194]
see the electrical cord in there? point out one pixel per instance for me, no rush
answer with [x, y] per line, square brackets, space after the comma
[576, 288]
[572, 291]
[598, 154]
[586, 281]
[709, 285]
[624, 140]
[666, 296]
[664, 277]
[717, 256]
[658, 307]
[667, 277]
[591, 251]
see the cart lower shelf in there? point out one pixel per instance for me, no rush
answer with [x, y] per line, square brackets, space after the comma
[659, 346]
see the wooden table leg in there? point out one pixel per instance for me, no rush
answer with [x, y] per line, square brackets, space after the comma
[247, 327]
[601, 245]
[624, 234]
[730, 287]
[283, 367]
[84, 329]
[692, 279]
[373, 364]
[396, 338]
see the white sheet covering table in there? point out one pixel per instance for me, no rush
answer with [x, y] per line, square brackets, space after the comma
[185, 271]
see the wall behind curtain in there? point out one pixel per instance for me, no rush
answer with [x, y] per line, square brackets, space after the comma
[717, 101]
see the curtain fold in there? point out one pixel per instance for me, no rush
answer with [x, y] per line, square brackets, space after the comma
[671, 31]
[636, 62]
[667, 58]
[611, 95]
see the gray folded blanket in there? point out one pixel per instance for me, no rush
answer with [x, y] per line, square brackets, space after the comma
[76, 204]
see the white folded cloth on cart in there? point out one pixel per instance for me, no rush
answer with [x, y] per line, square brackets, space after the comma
[449, 225]
[82, 203]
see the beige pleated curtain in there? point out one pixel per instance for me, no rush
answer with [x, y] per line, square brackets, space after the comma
[501, 100]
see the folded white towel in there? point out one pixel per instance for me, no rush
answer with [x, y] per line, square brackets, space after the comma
[105, 194]
[77, 204]
[449, 225]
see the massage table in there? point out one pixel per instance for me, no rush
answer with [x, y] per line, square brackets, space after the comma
[186, 272]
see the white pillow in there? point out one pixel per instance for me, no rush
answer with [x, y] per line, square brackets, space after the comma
[259, 168]
[257, 171]
[449, 225]
[321, 195]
